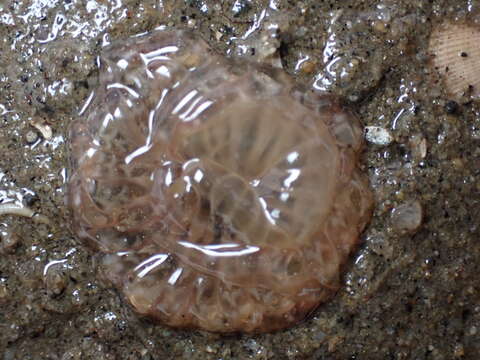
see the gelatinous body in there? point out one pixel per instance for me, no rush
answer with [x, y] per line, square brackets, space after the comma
[219, 196]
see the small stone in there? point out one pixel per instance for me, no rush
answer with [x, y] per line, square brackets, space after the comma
[240, 7]
[380, 245]
[380, 26]
[418, 147]
[4, 293]
[9, 241]
[108, 325]
[451, 107]
[218, 35]
[31, 137]
[333, 342]
[378, 135]
[55, 281]
[209, 349]
[308, 67]
[459, 351]
[473, 331]
[407, 217]
[458, 163]
[30, 199]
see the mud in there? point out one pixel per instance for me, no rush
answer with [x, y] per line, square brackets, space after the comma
[412, 289]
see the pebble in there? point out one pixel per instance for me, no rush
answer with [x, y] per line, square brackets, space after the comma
[407, 217]
[55, 281]
[31, 137]
[9, 241]
[418, 147]
[451, 107]
[473, 331]
[4, 293]
[378, 135]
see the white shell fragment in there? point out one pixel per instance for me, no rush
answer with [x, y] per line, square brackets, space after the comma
[16, 209]
[378, 135]
[456, 52]
[43, 128]
[21, 210]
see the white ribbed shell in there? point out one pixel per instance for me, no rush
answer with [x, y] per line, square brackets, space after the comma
[456, 55]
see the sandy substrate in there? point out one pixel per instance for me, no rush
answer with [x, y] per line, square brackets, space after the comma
[412, 289]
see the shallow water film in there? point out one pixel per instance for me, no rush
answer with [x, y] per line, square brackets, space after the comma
[411, 291]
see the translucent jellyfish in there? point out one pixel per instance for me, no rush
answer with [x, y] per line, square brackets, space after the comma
[217, 194]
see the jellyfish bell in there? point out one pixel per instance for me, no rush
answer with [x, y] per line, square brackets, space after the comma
[218, 195]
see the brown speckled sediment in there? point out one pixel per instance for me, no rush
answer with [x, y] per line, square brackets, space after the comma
[406, 295]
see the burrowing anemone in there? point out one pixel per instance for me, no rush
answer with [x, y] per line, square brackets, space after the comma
[219, 195]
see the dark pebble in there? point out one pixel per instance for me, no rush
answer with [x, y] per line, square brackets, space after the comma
[451, 107]
[30, 199]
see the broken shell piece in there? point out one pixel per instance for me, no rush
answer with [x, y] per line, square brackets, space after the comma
[44, 129]
[456, 51]
[21, 210]
[16, 209]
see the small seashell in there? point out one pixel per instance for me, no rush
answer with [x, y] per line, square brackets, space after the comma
[456, 52]
[42, 126]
